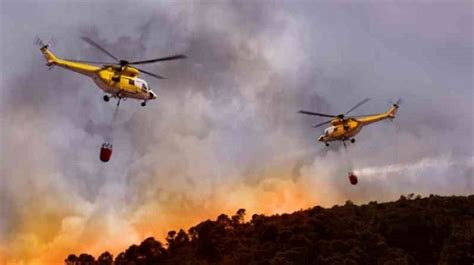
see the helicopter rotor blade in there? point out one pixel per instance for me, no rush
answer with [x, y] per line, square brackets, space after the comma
[91, 42]
[321, 124]
[52, 42]
[399, 101]
[91, 62]
[169, 58]
[316, 114]
[358, 105]
[150, 74]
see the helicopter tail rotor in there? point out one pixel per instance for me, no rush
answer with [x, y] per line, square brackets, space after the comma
[40, 43]
[393, 110]
[397, 103]
[52, 42]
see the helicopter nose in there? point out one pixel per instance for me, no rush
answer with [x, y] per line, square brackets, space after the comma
[152, 95]
[320, 138]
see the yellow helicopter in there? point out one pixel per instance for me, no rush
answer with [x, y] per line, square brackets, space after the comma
[119, 79]
[344, 128]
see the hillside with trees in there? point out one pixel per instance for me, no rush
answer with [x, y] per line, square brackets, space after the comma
[411, 230]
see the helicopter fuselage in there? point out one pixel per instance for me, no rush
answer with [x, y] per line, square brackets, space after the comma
[121, 82]
[345, 129]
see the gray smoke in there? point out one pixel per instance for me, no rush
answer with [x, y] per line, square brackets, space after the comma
[224, 132]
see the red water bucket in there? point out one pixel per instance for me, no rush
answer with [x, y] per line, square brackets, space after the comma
[105, 152]
[352, 178]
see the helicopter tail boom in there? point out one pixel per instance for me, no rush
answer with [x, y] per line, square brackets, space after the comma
[390, 114]
[51, 59]
[82, 68]
[392, 111]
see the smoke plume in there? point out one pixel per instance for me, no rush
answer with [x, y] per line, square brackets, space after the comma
[224, 132]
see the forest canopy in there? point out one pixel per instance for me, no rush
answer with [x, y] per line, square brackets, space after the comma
[411, 230]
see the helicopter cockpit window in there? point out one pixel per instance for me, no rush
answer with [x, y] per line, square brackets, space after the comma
[131, 82]
[142, 84]
[329, 130]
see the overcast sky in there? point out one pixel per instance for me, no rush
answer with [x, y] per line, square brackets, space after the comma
[224, 132]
